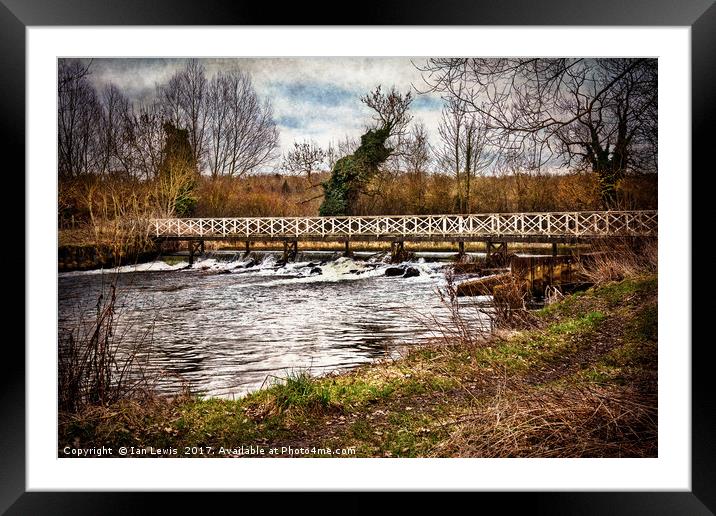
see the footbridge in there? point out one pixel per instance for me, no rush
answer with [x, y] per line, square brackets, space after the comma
[495, 229]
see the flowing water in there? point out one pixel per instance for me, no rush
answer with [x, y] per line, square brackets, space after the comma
[229, 323]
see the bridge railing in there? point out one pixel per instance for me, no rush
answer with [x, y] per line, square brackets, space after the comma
[554, 224]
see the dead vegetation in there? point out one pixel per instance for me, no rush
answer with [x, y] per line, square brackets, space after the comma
[473, 319]
[619, 259]
[565, 421]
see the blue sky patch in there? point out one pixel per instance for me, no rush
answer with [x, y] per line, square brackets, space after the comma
[315, 93]
[428, 102]
[292, 122]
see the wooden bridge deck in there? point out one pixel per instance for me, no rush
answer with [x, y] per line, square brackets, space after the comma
[531, 227]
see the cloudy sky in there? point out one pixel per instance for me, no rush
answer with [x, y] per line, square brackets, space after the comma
[313, 98]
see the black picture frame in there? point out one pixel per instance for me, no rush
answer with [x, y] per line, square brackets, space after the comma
[700, 15]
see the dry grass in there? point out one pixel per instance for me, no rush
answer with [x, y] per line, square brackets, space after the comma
[618, 260]
[120, 422]
[470, 322]
[563, 421]
[510, 303]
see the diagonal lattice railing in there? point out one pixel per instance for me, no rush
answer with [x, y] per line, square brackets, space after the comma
[549, 224]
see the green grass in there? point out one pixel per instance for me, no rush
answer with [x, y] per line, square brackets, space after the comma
[621, 292]
[576, 325]
[645, 324]
[300, 390]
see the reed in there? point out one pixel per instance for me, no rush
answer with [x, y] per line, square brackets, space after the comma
[97, 365]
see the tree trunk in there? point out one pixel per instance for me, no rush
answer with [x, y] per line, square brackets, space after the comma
[608, 179]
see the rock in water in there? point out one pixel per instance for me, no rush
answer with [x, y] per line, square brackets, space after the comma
[411, 272]
[316, 270]
[394, 271]
[247, 265]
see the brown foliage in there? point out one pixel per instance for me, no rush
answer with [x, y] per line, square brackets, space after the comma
[571, 421]
[271, 195]
[106, 210]
[616, 260]
[409, 193]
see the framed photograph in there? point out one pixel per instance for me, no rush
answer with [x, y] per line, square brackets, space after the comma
[422, 249]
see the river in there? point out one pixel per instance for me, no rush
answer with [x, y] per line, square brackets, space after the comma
[228, 325]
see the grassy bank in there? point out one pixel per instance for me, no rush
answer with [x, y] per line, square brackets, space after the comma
[580, 382]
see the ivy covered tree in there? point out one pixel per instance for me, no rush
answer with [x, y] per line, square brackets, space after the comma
[352, 173]
[178, 173]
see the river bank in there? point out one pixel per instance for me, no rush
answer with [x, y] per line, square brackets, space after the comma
[580, 382]
[88, 257]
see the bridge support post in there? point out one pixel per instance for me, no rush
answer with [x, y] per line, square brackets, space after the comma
[554, 248]
[397, 251]
[495, 253]
[460, 251]
[290, 250]
[248, 247]
[195, 248]
[348, 251]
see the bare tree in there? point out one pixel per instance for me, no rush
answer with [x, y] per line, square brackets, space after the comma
[71, 71]
[352, 174]
[450, 130]
[332, 155]
[220, 92]
[477, 154]
[390, 110]
[183, 101]
[304, 158]
[598, 113]
[242, 131]
[145, 138]
[79, 115]
[390, 120]
[114, 142]
[336, 150]
[416, 157]
[465, 148]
